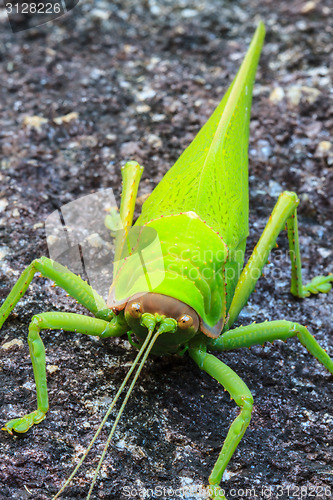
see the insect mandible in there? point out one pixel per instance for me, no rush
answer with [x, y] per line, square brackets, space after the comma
[186, 296]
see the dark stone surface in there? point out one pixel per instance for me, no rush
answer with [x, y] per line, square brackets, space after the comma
[143, 77]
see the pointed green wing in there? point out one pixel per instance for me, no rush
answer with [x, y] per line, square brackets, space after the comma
[211, 177]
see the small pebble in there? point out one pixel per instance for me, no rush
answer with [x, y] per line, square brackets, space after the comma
[274, 189]
[52, 368]
[99, 14]
[147, 93]
[143, 108]
[324, 252]
[34, 122]
[52, 239]
[111, 137]
[297, 92]
[323, 148]
[154, 141]
[95, 240]
[188, 13]
[3, 252]
[130, 149]
[59, 120]
[308, 7]
[3, 204]
[158, 117]
[276, 95]
[12, 343]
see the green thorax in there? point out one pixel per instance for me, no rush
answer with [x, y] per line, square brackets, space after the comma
[186, 261]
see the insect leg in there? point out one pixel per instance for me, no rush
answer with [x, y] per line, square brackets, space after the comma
[284, 213]
[51, 321]
[242, 396]
[63, 277]
[131, 173]
[258, 333]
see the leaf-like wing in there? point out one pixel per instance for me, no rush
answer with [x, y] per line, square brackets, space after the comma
[211, 177]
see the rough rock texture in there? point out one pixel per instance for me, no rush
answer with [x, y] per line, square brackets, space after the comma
[143, 77]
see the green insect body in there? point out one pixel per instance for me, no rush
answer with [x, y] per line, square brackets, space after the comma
[200, 208]
[179, 282]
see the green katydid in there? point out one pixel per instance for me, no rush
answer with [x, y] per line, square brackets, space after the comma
[197, 287]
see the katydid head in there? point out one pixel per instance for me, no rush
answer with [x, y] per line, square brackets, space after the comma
[177, 321]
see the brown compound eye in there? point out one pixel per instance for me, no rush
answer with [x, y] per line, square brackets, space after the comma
[135, 310]
[185, 321]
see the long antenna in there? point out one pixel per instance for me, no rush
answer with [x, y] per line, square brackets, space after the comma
[121, 388]
[131, 387]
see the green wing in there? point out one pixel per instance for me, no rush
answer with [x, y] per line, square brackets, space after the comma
[211, 177]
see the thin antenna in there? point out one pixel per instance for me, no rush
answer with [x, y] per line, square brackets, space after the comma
[121, 410]
[121, 388]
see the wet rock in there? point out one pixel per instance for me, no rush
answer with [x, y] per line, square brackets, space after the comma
[138, 70]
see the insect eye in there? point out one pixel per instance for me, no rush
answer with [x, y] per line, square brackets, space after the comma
[136, 310]
[185, 321]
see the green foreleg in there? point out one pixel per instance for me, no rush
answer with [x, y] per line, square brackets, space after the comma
[242, 396]
[73, 284]
[246, 336]
[284, 213]
[54, 321]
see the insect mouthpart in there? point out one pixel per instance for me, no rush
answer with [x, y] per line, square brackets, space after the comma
[176, 321]
[162, 306]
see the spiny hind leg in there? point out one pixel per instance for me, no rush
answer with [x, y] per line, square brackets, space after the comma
[285, 212]
[54, 321]
[258, 333]
[242, 396]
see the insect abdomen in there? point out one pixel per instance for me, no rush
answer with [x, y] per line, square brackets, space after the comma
[211, 177]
